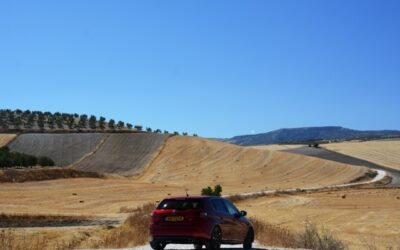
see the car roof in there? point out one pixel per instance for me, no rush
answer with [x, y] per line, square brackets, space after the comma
[190, 197]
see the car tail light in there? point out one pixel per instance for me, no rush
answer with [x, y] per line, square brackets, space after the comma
[155, 218]
[203, 215]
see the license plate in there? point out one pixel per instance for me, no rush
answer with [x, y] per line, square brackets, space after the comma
[174, 218]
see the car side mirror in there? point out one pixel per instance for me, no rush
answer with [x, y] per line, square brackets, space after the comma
[242, 213]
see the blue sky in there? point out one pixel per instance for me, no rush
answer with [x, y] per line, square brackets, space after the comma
[216, 68]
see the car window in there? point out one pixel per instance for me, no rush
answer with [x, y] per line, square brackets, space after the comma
[219, 205]
[180, 204]
[231, 208]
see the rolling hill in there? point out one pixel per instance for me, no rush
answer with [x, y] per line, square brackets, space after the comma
[174, 164]
[298, 135]
[196, 162]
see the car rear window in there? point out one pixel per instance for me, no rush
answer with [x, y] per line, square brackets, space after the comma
[219, 205]
[180, 204]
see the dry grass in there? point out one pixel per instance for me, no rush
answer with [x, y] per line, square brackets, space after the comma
[310, 238]
[272, 235]
[11, 239]
[352, 214]
[185, 163]
[133, 232]
[35, 220]
[193, 163]
[383, 152]
[6, 138]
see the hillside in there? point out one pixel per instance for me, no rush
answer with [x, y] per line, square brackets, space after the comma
[299, 135]
[196, 162]
[382, 152]
[184, 163]
[123, 154]
[64, 149]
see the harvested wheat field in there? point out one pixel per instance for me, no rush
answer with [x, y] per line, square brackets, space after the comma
[80, 196]
[183, 163]
[64, 149]
[354, 215]
[382, 152]
[195, 162]
[124, 154]
[6, 138]
[276, 147]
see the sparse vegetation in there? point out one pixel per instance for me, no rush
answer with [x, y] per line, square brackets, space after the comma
[27, 120]
[309, 238]
[24, 175]
[133, 232]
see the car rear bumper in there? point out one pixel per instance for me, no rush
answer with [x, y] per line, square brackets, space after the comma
[178, 235]
[178, 239]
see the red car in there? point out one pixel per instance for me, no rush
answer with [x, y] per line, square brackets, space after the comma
[199, 220]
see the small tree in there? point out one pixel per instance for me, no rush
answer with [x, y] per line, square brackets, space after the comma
[217, 190]
[129, 126]
[120, 124]
[111, 123]
[92, 122]
[195, 135]
[149, 129]
[176, 133]
[59, 122]
[71, 122]
[184, 134]
[82, 121]
[102, 122]
[139, 127]
[207, 191]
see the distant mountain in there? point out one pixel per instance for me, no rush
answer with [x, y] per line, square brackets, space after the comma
[297, 135]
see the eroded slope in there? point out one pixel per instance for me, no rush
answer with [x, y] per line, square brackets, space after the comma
[124, 154]
[64, 149]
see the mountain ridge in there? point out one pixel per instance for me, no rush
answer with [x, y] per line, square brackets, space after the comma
[303, 134]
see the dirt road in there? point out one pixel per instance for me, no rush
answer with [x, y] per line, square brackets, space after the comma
[190, 247]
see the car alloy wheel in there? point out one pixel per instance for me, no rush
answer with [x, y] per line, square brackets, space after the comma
[216, 238]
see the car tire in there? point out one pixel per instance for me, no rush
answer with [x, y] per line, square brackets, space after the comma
[157, 245]
[248, 241]
[215, 240]
[198, 246]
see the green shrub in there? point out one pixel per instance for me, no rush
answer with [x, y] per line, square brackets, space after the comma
[212, 192]
[16, 159]
[45, 161]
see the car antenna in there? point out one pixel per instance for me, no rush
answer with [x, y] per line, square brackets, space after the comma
[186, 191]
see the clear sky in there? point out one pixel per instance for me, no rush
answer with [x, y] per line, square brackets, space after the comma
[216, 68]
